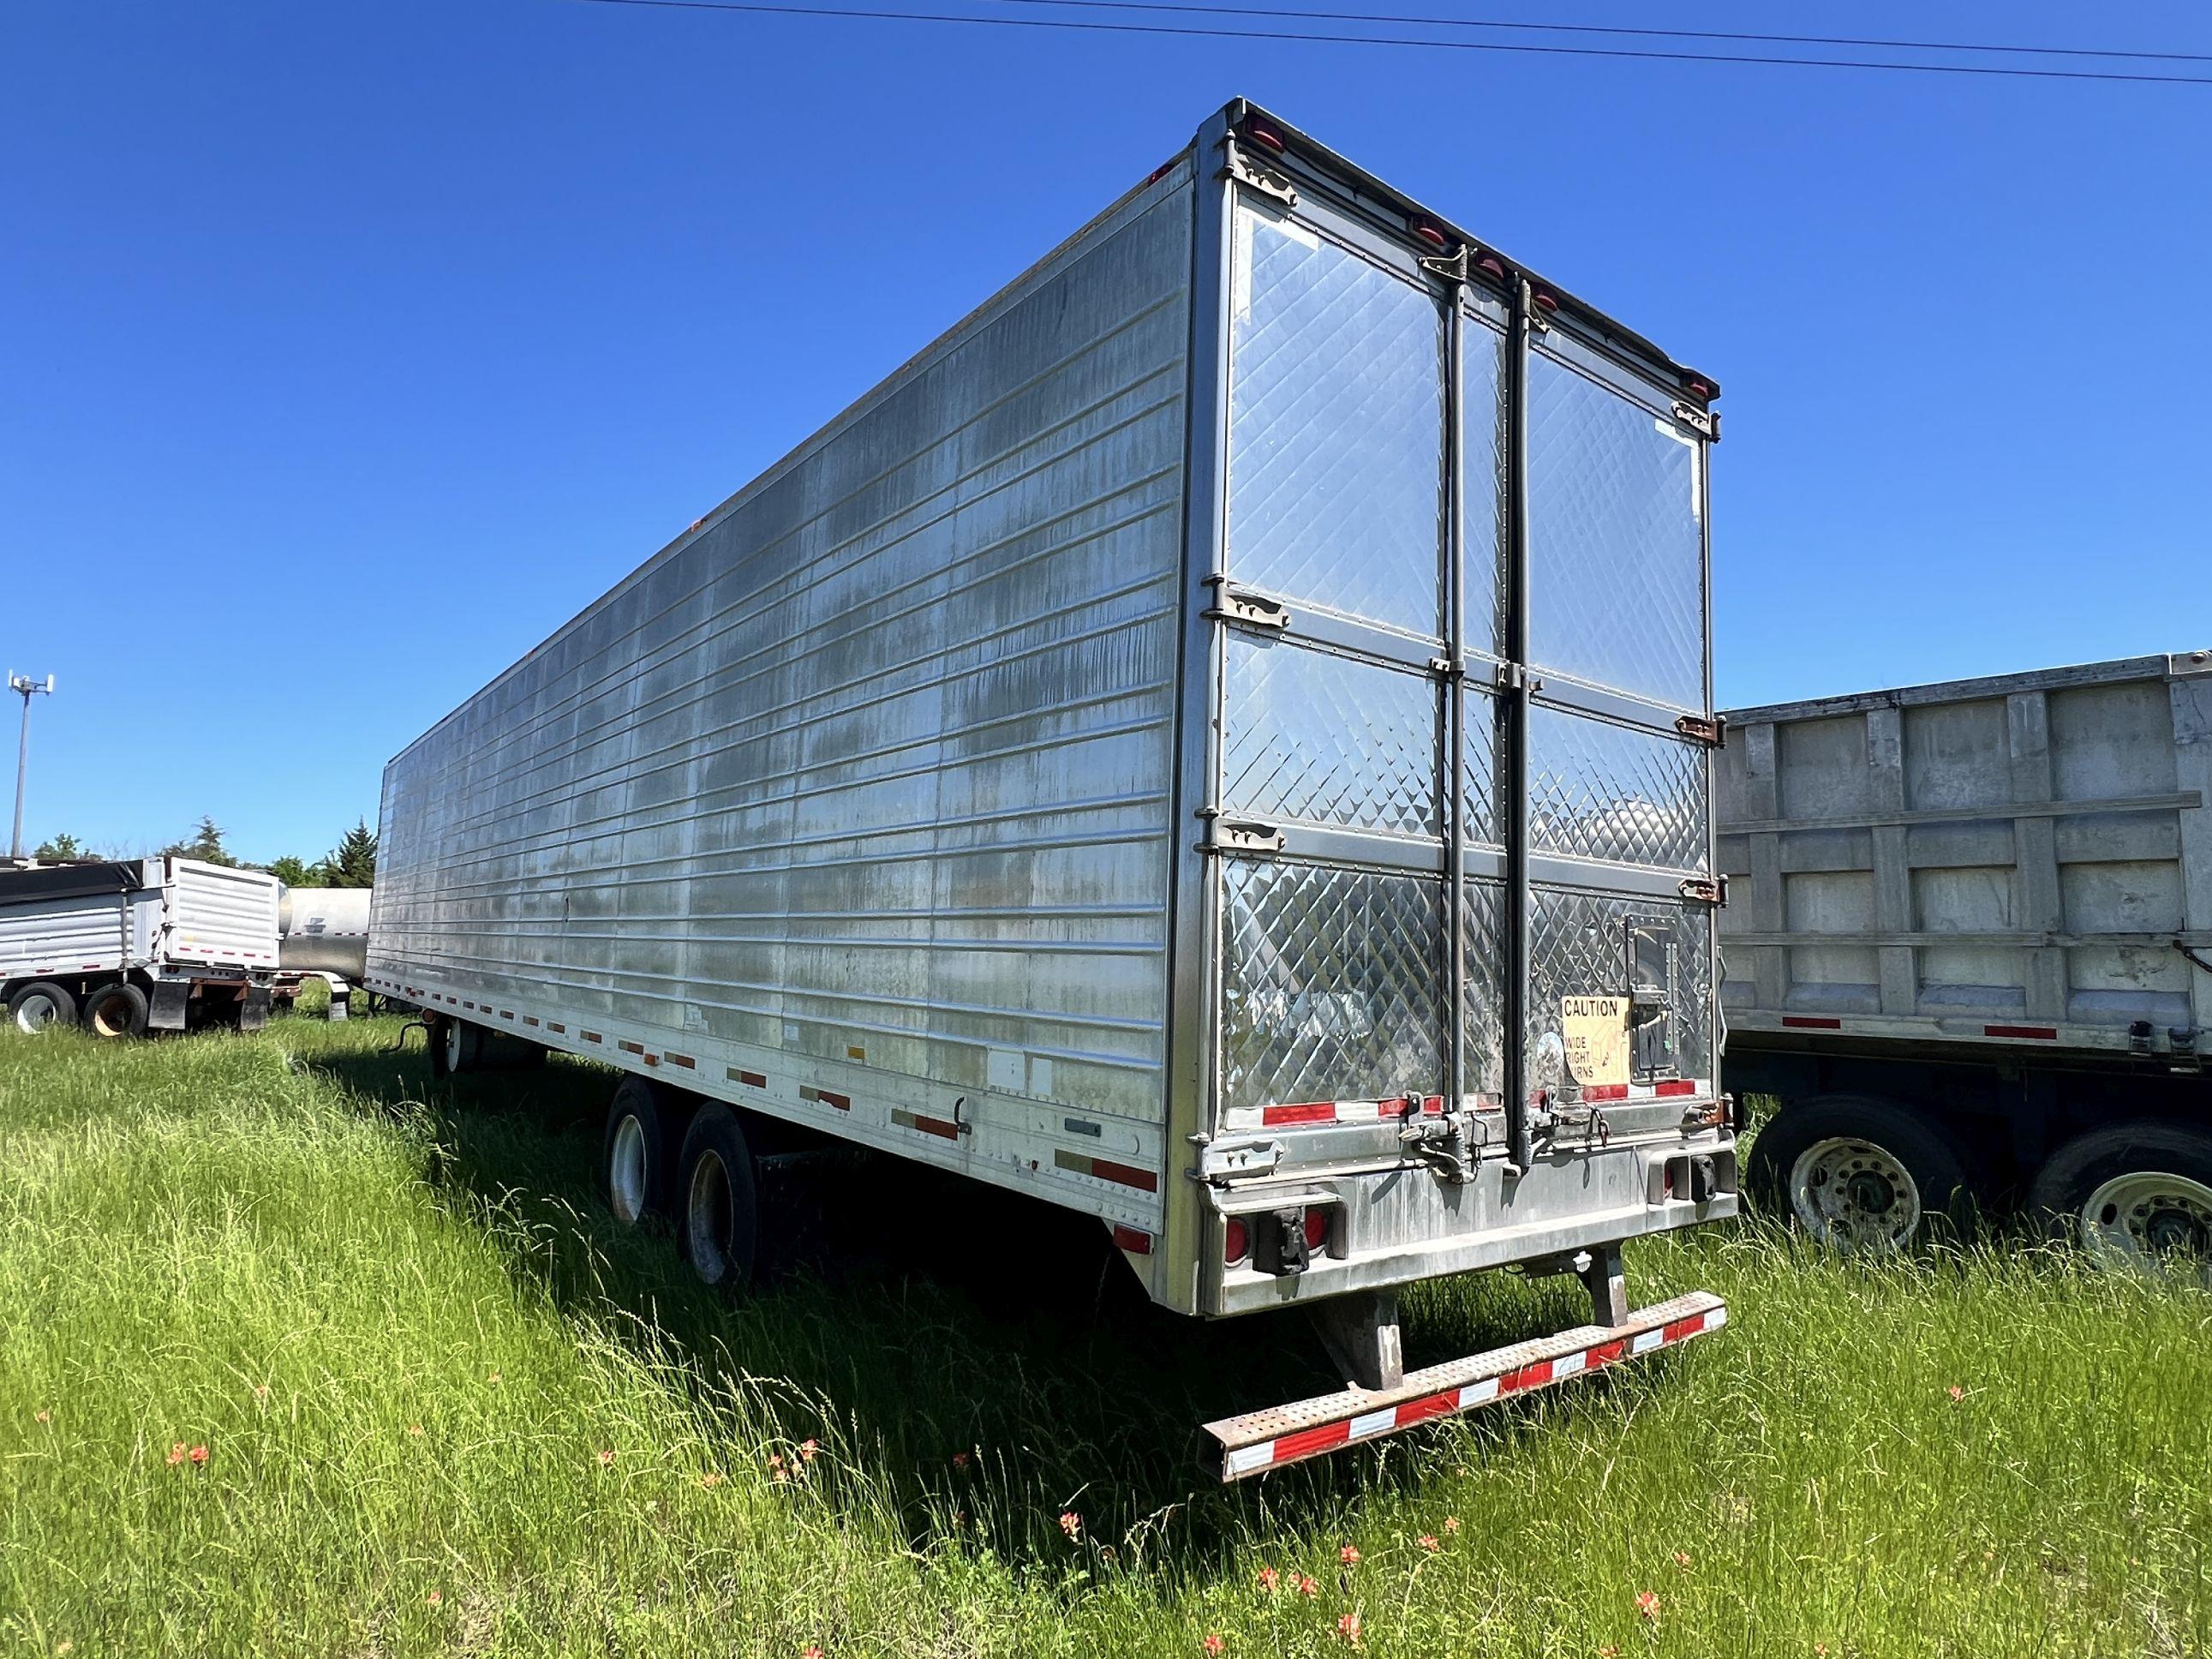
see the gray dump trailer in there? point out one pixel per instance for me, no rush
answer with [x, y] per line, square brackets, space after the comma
[1220, 742]
[1969, 943]
[129, 946]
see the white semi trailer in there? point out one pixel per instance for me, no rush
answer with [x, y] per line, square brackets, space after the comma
[1220, 742]
[1970, 947]
[138, 945]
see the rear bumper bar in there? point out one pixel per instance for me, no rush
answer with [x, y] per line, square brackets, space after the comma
[1240, 1447]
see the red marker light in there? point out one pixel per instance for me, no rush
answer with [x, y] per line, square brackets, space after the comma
[1317, 1220]
[1264, 135]
[1235, 1242]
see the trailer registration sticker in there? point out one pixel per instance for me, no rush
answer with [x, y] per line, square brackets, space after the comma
[1597, 1033]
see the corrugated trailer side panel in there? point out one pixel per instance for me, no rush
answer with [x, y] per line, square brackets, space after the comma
[2009, 860]
[855, 802]
[219, 916]
[74, 918]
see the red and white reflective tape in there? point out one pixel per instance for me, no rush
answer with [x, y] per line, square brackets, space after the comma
[1306, 1113]
[1247, 1447]
[1678, 1088]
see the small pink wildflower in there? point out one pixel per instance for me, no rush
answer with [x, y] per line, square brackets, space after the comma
[1428, 1541]
[711, 1478]
[436, 1598]
[198, 1454]
[1308, 1586]
[1349, 1555]
[176, 1454]
[1071, 1524]
[1451, 1524]
[1213, 1644]
[1956, 1393]
[1647, 1603]
[1682, 1560]
[1348, 1628]
[42, 1417]
[811, 1651]
[261, 1391]
[606, 1457]
[808, 1450]
[1268, 1579]
[415, 1429]
[961, 1460]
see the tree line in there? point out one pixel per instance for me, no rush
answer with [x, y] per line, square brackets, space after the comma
[351, 863]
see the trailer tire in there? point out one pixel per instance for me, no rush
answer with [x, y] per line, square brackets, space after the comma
[115, 1011]
[40, 1003]
[456, 1046]
[634, 1156]
[717, 1200]
[1859, 1174]
[2132, 1195]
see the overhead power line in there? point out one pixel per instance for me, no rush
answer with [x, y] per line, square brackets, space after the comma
[762, 7]
[1621, 32]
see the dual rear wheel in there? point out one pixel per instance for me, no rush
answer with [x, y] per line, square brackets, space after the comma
[1863, 1174]
[665, 1154]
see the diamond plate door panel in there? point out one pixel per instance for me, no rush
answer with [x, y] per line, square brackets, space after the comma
[1616, 542]
[1479, 760]
[1330, 984]
[1336, 428]
[1311, 736]
[1601, 791]
[1578, 946]
[1484, 1013]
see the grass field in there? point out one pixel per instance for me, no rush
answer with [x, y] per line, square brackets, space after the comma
[447, 1408]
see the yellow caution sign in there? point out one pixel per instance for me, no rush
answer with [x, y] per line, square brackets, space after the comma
[1597, 1033]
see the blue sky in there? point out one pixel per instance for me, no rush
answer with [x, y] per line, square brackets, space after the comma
[346, 349]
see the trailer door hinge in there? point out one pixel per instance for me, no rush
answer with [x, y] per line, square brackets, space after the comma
[1711, 733]
[1705, 889]
[1232, 604]
[1453, 268]
[1706, 422]
[1249, 173]
[1225, 835]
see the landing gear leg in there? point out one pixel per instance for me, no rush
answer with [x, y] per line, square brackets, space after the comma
[1600, 1272]
[1360, 1331]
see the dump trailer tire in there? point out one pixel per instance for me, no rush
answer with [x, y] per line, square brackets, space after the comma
[41, 1003]
[2132, 1195]
[635, 1152]
[717, 1200]
[1859, 1173]
[115, 1011]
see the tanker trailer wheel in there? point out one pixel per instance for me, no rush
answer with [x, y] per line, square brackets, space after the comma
[634, 1152]
[2135, 1195]
[116, 1010]
[1857, 1173]
[40, 1003]
[717, 1202]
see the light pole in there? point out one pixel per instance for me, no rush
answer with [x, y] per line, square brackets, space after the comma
[28, 687]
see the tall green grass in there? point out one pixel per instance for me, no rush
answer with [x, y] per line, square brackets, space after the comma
[448, 1407]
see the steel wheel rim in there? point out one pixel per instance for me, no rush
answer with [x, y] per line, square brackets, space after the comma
[626, 1172]
[1855, 1195]
[707, 1218]
[452, 1039]
[35, 1013]
[2150, 1221]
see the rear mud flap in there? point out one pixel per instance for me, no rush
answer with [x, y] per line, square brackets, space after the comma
[166, 1010]
[1240, 1447]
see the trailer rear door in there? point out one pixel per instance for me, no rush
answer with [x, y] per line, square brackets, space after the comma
[1459, 544]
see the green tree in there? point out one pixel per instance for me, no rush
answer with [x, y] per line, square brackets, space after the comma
[206, 845]
[59, 849]
[292, 872]
[352, 863]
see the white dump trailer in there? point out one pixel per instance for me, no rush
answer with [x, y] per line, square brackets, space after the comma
[1970, 944]
[130, 945]
[1220, 742]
